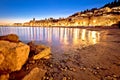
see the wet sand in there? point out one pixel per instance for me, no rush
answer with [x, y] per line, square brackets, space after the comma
[95, 62]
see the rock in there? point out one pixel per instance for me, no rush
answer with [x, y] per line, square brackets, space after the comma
[97, 68]
[47, 57]
[108, 78]
[95, 72]
[4, 77]
[51, 78]
[14, 55]
[64, 78]
[72, 69]
[32, 62]
[51, 65]
[114, 76]
[39, 51]
[10, 37]
[45, 52]
[84, 68]
[114, 79]
[35, 74]
[1, 58]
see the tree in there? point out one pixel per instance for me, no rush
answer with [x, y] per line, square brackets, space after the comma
[115, 3]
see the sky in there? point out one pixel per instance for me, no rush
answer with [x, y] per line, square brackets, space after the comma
[12, 11]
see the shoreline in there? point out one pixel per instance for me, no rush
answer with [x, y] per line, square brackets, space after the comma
[100, 61]
[82, 27]
[96, 62]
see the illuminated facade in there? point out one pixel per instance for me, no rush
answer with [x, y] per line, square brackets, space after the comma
[99, 17]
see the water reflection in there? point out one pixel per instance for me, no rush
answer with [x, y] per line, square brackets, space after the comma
[54, 36]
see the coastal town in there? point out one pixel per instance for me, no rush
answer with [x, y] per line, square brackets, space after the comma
[95, 17]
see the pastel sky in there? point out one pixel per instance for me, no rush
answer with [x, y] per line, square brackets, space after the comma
[23, 10]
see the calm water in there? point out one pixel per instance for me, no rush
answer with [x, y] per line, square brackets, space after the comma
[57, 38]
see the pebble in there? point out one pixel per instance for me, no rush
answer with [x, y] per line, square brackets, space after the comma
[61, 69]
[68, 78]
[97, 68]
[114, 76]
[51, 78]
[66, 68]
[31, 62]
[109, 77]
[44, 78]
[72, 69]
[84, 68]
[47, 77]
[95, 73]
[51, 65]
[64, 78]
[90, 69]
[27, 68]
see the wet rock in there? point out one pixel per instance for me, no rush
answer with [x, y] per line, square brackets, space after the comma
[10, 37]
[4, 77]
[35, 74]
[39, 51]
[14, 56]
[45, 52]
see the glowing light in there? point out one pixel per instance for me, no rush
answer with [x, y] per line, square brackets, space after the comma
[65, 37]
[75, 36]
[83, 34]
[84, 23]
[94, 21]
[49, 35]
[93, 37]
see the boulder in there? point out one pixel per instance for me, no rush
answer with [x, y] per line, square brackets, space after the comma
[1, 58]
[35, 74]
[13, 56]
[45, 52]
[10, 37]
[39, 51]
[4, 77]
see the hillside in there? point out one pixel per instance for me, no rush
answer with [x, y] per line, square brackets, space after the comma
[107, 15]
